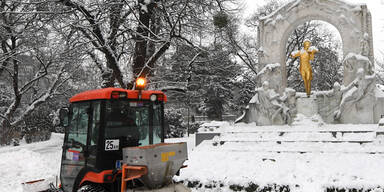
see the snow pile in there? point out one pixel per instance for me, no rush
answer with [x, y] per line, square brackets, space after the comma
[29, 162]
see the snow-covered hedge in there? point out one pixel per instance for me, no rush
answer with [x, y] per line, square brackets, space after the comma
[250, 187]
[254, 187]
[351, 189]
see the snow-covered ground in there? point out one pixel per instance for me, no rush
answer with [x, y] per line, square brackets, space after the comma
[265, 155]
[36, 161]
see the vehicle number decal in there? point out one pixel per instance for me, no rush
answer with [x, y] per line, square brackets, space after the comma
[111, 144]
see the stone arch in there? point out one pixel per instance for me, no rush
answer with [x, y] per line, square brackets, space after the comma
[352, 22]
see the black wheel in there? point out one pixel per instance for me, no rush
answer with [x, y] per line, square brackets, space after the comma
[91, 188]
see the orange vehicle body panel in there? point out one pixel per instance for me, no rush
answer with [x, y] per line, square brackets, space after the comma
[130, 173]
[106, 94]
[97, 177]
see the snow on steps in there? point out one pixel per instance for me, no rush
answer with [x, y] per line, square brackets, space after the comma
[308, 156]
[299, 142]
[307, 134]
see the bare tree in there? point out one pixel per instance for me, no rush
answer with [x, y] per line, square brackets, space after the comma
[31, 70]
[99, 26]
[136, 33]
[42, 42]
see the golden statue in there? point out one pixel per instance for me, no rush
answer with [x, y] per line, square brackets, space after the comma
[306, 55]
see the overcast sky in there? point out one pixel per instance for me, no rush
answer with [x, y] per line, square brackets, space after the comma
[375, 6]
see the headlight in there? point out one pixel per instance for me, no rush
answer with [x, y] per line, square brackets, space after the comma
[153, 97]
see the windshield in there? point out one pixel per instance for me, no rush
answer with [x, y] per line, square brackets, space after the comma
[130, 122]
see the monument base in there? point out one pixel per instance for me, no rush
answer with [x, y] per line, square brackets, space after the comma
[307, 106]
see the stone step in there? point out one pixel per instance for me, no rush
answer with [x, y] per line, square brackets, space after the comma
[304, 128]
[282, 141]
[305, 136]
[353, 139]
[305, 131]
[294, 147]
[304, 150]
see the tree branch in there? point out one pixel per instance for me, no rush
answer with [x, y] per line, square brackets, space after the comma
[154, 58]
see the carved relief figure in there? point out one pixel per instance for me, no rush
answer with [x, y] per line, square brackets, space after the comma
[337, 91]
[329, 101]
[271, 105]
[357, 89]
[306, 54]
[353, 61]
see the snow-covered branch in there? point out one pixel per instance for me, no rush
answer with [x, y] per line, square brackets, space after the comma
[43, 98]
[100, 41]
[154, 57]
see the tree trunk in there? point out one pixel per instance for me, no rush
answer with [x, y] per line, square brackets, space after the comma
[141, 40]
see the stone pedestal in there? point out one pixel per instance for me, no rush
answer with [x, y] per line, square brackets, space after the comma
[307, 106]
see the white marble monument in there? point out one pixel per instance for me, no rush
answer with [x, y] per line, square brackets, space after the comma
[356, 101]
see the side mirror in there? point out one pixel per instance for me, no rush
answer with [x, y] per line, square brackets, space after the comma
[63, 116]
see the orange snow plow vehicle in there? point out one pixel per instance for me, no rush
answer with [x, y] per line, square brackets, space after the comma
[114, 142]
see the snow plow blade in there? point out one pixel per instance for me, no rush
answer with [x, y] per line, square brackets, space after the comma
[170, 188]
[41, 185]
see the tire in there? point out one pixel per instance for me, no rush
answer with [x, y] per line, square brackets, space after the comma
[91, 188]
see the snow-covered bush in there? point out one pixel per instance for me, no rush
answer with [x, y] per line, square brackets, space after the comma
[174, 123]
[193, 127]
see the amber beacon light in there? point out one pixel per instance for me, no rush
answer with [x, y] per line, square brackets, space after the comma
[140, 83]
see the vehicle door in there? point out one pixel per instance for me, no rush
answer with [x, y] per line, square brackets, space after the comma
[74, 148]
